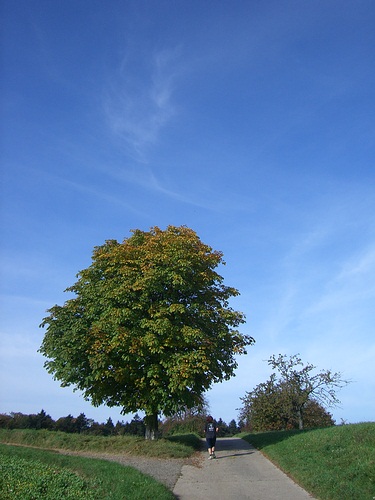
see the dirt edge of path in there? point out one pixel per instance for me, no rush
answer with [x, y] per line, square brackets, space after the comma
[165, 470]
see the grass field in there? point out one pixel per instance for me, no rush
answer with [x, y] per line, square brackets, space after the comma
[29, 473]
[33, 470]
[180, 446]
[336, 463]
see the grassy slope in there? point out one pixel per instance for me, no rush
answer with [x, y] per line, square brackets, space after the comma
[337, 463]
[174, 447]
[103, 479]
[112, 481]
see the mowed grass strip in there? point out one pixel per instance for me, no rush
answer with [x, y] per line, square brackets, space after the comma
[29, 473]
[336, 463]
[175, 447]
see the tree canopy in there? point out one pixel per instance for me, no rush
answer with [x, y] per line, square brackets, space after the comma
[150, 327]
[296, 399]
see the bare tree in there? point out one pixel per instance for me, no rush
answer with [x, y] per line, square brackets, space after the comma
[283, 399]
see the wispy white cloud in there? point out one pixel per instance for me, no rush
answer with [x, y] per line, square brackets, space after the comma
[355, 282]
[99, 192]
[150, 181]
[138, 105]
[166, 185]
[359, 265]
[326, 280]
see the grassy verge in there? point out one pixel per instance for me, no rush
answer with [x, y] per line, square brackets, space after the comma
[192, 441]
[29, 473]
[337, 463]
[174, 447]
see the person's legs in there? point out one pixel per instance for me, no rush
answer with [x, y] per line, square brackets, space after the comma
[209, 446]
[213, 448]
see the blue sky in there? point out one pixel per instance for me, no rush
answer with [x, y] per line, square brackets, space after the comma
[251, 122]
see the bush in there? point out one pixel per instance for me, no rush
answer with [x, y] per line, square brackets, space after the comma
[190, 425]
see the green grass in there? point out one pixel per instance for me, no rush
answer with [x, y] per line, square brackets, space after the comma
[192, 441]
[174, 447]
[336, 463]
[29, 474]
[32, 470]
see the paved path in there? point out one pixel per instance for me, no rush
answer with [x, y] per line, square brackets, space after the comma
[239, 472]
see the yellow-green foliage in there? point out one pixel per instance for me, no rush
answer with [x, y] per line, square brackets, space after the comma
[149, 327]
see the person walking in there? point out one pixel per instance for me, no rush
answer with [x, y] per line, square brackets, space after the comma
[210, 431]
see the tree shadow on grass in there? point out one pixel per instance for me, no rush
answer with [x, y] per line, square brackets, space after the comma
[263, 439]
[191, 440]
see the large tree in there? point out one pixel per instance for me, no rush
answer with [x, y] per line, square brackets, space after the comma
[296, 398]
[149, 328]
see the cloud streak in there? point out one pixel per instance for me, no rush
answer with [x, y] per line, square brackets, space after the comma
[353, 283]
[137, 107]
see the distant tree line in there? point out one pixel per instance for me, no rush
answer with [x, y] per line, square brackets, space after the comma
[195, 424]
[192, 420]
[79, 425]
[188, 422]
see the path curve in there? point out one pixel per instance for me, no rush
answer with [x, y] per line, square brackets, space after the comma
[239, 472]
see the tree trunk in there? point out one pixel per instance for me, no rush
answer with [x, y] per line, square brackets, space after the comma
[151, 422]
[300, 419]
